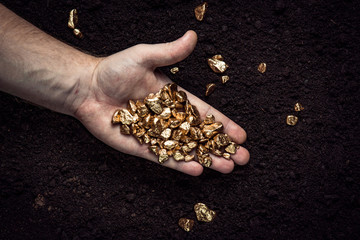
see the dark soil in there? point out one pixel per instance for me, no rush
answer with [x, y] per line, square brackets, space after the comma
[302, 182]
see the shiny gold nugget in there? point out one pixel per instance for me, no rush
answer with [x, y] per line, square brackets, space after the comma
[224, 79]
[298, 107]
[200, 11]
[172, 127]
[77, 33]
[291, 120]
[262, 67]
[73, 19]
[217, 64]
[203, 213]
[174, 70]
[210, 88]
[186, 224]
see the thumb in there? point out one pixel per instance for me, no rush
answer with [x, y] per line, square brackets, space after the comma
[164, 54]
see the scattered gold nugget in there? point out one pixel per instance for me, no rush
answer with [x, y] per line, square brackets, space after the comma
[171, 125]
[291, 120]
[224, 79]
[174, 70]
[210, 89]
[298, 107]
[73, 19]
[217, 64]
[200, 11]
[262, 67]
[186, 224]
[203, 213]
[77, 33]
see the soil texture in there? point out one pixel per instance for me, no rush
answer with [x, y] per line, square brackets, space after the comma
[57, 181]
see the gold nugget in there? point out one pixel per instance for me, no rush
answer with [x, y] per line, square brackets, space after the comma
[77, 33]
[291, 120]
[163, 156]
[174, 70]
[203, 213]
[226, 156]
[298, 107]
[200, 11]
[171, 125]
[217, 64]
[231, 148]
[262, 67]
[186, 224]
[210, 88]
[224, 79]
[73, 19]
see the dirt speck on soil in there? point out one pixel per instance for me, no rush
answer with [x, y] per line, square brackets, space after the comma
[302, 181]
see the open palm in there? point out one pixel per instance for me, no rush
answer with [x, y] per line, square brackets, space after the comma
[132, 74]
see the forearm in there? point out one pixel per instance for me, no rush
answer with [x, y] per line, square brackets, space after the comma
[39, 68]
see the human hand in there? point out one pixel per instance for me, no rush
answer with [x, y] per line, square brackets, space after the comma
[132, 74]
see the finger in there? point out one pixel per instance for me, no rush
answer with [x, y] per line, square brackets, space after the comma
[164, 54]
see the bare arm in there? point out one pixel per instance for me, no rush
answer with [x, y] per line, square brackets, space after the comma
[40, 68]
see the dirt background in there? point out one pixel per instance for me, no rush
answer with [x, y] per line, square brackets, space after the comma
[302, 182]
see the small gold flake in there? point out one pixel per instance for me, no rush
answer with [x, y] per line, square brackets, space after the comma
[186, 224]
[224, 79]
[206, 160]
[166, 134]
[209, 119]
[163, 156]
[217, 152]
[77, 33]
[142, 110]
[203, 213]
[210, 88]
[231, 148]
[298, 107]
[226, 156]
[73, 19]
[291, 120]
[153, 102]
[185, 127]
[174, 70]
[262, 67]
[166, 113]
[200, 11]
[192, 144]
[132, 106]
[222, 139]
[124, 116]
[181, 96]
[146, 138]
[212, 129]
[189, 158]
[125, 129]
[170, 144]
[178, 156]
[174, 123]
[116, 117]
[217, 65]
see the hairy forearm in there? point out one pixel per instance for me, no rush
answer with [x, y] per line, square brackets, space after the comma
[39, 68]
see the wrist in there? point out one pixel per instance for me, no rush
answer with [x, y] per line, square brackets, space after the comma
[82, 84]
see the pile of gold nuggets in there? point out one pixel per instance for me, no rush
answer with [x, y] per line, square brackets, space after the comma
[172, 127]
